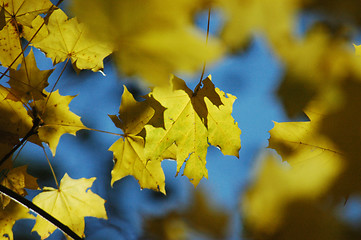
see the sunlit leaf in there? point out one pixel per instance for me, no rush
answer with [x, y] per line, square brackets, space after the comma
[9, 216]
[28, 82]
[191, 119]
[69, 204]
[129, 151]
[17, 179]
[69, 39]
[56, 118]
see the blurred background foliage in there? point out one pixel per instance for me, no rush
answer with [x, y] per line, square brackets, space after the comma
[279, 58]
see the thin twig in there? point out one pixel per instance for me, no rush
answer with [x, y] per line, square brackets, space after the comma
[31, 132]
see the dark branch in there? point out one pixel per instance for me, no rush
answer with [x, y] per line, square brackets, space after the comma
[23, 201]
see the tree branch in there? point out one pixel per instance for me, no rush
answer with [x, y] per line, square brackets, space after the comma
[23, 201]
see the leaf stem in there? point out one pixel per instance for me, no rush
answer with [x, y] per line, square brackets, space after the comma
[51, 167]
[28, 204]
[205, 61]
[102, 131]
[56, 82]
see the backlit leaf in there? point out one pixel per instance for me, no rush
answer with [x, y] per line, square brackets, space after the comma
[9, 216]
[69, 39]
[57, 118]
[24, 11]
[28, 82]
[129, 151]
[191, 120]
[69, 204]
[17, 179]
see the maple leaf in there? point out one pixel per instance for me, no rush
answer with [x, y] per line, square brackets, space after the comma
[129, 151]
[56, 118]
[16, 180]
[35, 32]
[69, 204]
[17, 14]
[24, 11]
[158, 39]
[190, 121]
[183, 126]
[223, 132]
[9, 216]
[69, 39]
[28, 82]
[14, 117]
[10, 46]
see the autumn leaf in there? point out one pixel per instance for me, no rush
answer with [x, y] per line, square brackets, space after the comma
[24, 11]
[223, 131]
[36, 31]
[14, 117]
[17, 179]
[28, 82]
[69, 204]
[56, 118]
[183, 126]
[2, 18]
[129, 151]
[158, 39]
[17, 15]
[69, 39]
[9, 216]
[10, 47]
[190, 122]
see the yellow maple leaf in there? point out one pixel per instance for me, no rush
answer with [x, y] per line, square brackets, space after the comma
[56, 118]
[9, 216]
[10, 46]
[28, 82]
[129, 151]
[14, 117]
[223, 132]
[276, 186]
[69, 204]
[152, 41]
[17, 179]
[69, 39]
[35, 32]
[190, 121]
[24, 11]
[183, 126]
[17, 15]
